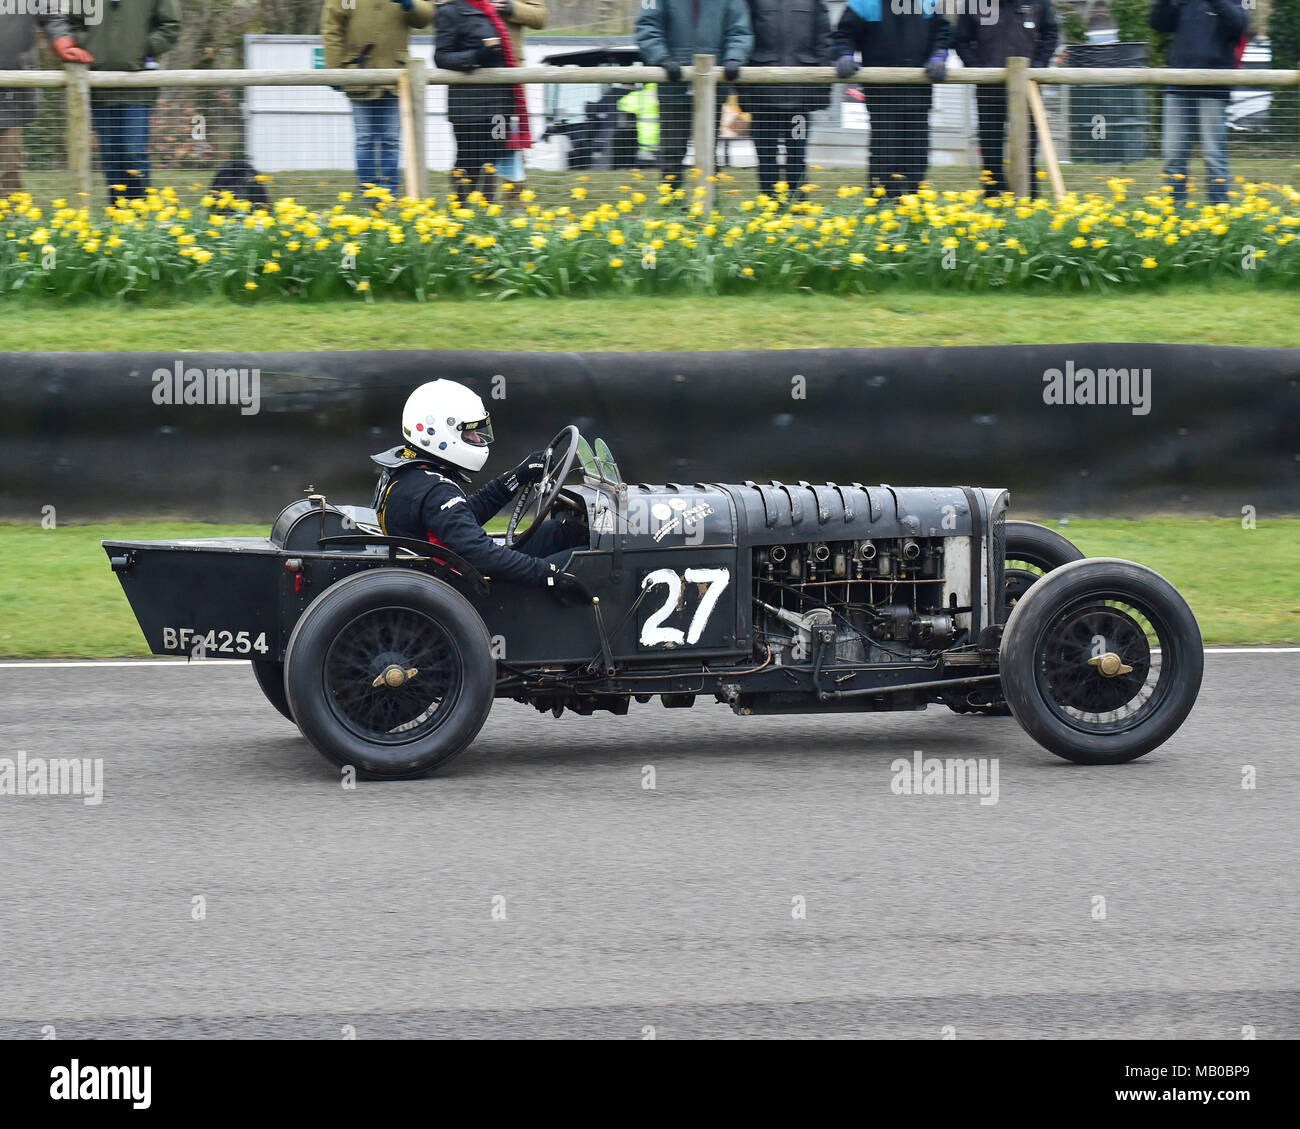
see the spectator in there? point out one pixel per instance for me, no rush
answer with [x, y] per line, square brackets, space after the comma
[787, 33]
[913, 33]
[1025, 30]
[370, 34]
[1210, 34]
[604, 117]
[669, 33]
[643, 104]
[131, 35]
[490, 122]
[518, 15]
[17, 107]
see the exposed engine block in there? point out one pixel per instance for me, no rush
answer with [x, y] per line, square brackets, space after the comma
[885, 600]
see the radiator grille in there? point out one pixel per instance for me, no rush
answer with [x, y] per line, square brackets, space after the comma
[998, 595]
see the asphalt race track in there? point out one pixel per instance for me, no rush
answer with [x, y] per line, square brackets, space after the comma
[371, 910]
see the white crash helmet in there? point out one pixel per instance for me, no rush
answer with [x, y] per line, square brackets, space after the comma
[448, 421]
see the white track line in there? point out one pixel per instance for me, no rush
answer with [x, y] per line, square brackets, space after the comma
[154, 664]
[1252, 650]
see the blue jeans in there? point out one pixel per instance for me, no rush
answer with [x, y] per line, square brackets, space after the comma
[123, 133]
[1185, 116]
[379, 141]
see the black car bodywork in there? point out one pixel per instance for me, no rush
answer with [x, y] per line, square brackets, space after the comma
[769, 597]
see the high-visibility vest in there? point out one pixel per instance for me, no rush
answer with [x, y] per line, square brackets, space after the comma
[644, 104]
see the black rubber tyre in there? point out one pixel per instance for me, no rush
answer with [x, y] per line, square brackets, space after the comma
[395, 624]
[270, 677]
[1064, 633]
[1033, 550]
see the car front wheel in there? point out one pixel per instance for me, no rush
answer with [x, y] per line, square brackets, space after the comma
[1101, 661]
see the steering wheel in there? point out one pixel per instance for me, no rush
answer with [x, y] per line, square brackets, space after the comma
[559, 461]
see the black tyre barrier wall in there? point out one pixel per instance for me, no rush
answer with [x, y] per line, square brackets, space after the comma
[1181, 429]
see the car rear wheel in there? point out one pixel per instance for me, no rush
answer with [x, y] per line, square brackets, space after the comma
[390, 671]
[1101, 661]
[270, 677]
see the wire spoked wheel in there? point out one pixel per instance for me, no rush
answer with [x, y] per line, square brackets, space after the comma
[392, 674]
[1031, 551]
[1098, 671]
[1101, 661]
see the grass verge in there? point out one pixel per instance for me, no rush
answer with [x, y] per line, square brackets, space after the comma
[1196, 314]
[61, 600]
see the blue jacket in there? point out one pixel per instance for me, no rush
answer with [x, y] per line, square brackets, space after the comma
[414, 498]
[669, 29]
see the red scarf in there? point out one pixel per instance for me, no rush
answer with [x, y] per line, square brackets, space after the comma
[521, 136]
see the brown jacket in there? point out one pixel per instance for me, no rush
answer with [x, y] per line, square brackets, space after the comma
[348, 25]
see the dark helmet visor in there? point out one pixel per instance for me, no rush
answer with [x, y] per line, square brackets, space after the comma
[478, 433]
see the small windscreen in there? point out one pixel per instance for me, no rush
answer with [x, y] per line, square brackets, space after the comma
[586, 459]
[605, 461]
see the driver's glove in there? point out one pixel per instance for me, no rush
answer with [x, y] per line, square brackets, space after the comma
[566, 587]
[527, 473]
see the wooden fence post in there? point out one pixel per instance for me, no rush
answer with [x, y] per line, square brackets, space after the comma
[1045, 142]
[77, 113]
[413, 118]
[704, 126]
[1018, 124]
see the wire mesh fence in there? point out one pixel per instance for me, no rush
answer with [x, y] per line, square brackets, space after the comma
[33, 149]
[570, 133]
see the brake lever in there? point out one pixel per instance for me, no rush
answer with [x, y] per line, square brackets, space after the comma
[606, 652]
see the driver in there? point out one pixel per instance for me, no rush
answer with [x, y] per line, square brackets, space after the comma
[419, 495]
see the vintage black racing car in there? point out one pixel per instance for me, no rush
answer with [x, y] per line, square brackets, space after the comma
[765, 597]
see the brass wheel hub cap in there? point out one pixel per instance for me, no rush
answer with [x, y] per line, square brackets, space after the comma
[394, 676]
[1110, 664]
